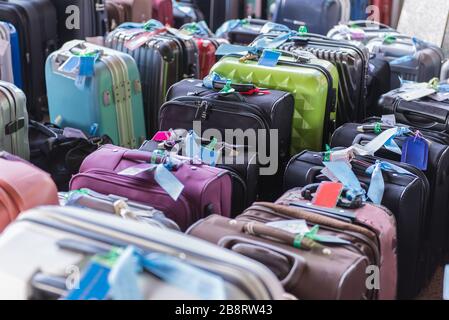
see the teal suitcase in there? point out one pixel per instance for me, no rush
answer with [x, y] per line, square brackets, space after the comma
[105, 100]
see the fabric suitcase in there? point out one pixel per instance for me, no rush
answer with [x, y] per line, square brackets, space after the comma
[6, 66]
[315, 272]
[373, 217]
[14, 121]
[138, 10]
[216, 12]
[186, 12]
[315, 103]
[97, 106]
[358, 9]
[15, 55]
[361, 31]
[385, 8]
[35, 21]
[405, 195]
[69, 238]
[319, 16]
[424, 113]
[162, 61]
[410, 58]
[245, 31]
[92, 14]
[88, 199]
[437, 221]
[60, 152]
[352, 63]
[207, 190]
[22, 187]
[163, 11]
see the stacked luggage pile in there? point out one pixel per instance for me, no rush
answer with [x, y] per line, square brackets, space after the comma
[148, 156]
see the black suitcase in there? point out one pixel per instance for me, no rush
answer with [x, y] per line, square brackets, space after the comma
[35, 21]
[423, 113]
[351, 61]
[186, 11]
[405, 195]
[245, 32]
[436, 173]
[216, 12]
[164, 60]
[259, 112]
[93, 19]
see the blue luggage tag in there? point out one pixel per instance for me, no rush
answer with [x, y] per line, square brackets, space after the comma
[415, 151]
[377, 185]
[86, 68]
[168, 181]
[71, 65]
[343, 172]
[94, 284]
[269, 58]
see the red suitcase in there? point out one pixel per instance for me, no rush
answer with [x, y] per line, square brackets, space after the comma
[163, 11]
[384, 10]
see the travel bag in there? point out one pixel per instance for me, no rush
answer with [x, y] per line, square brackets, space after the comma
[205, 190]
[79, 19]
[186, 12]
[312, 81]
[35, 22]
[307, 269]
[74, 243]
[351, 61]
[437, 219]
[136, 10]
[13, 121]
[245, 31]
[6, 65]
[361, 31]
[373, 217]
[59, 151]
[319, 16]
[406, 195]
[122, 207]
[216, 12]
[163, 59]
[385, 10]
[163, 11]
[358, 9]
[105, 92]
[410, 58]
[22, 187]
[424, 113]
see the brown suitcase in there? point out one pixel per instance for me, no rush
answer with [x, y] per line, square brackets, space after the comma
[135, 10]
[118, 13]
[313, 272]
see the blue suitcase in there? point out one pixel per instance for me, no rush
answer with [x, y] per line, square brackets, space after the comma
[358, 9]
[318, 15]
[106, 100]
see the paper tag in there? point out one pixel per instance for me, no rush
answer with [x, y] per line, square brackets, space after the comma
[93, 285]
[209, 156]
[73, 133]
[70, 65]
[440, 96]
[329, 175]
[168, 182]
[389, 120]
[327, 194]
[343, 172]
[137, 169]
[269, 58]
[138, 41]
[377, 185]
[374, 145]
[417, 94]
[292, 226]
[415, 151]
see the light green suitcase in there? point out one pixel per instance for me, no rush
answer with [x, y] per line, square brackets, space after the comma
[313, 83]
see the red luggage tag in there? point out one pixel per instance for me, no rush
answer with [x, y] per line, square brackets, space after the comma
[415, 151]
[161, 136]
[328, 194]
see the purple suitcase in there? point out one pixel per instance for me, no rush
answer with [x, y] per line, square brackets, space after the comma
[207, 190]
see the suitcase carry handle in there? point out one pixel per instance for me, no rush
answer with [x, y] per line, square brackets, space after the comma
[256, 250]
[230, 97]
[426, 121]
[151, 157]
[365, 23]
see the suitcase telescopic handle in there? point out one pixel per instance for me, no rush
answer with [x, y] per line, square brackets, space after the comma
[288, 267]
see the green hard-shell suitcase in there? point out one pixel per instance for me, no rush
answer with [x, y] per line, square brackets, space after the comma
[110, 102]
[313, 83]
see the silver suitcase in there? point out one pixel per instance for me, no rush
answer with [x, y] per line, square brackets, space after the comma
[63, 241]
[6, 71]
[13, 121]
[361, 31]
[411, 59]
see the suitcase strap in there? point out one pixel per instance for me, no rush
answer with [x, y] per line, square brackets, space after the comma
[122, 96]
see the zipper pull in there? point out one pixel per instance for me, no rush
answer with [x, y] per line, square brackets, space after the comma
[202, 110]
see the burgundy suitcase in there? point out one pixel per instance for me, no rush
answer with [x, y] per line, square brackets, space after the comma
[163, 11]
[308, 269]
[376, 218]
[206, 189]
[384, 10]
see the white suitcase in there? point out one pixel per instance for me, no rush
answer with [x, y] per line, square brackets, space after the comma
[6, 71]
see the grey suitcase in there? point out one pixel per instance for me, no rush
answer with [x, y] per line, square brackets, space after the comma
[6, 69]
[162, 61]
[66, 238]
[410, 58]
[361, 31]
[86, 198]
[13, 121]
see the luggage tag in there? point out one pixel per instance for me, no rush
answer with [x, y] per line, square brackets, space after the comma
[416, 91]
[312, 234]
[389, 120]
[415, 151]
[269, 58]
[138, 41]
[343, 172]
[327, 194]
[161, 136]
[199, 153]
[73, 133]
[197, 281]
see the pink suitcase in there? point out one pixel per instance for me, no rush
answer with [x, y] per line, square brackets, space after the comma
[380, 220]
[22, 187]
[207, 190]
[163, 11]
